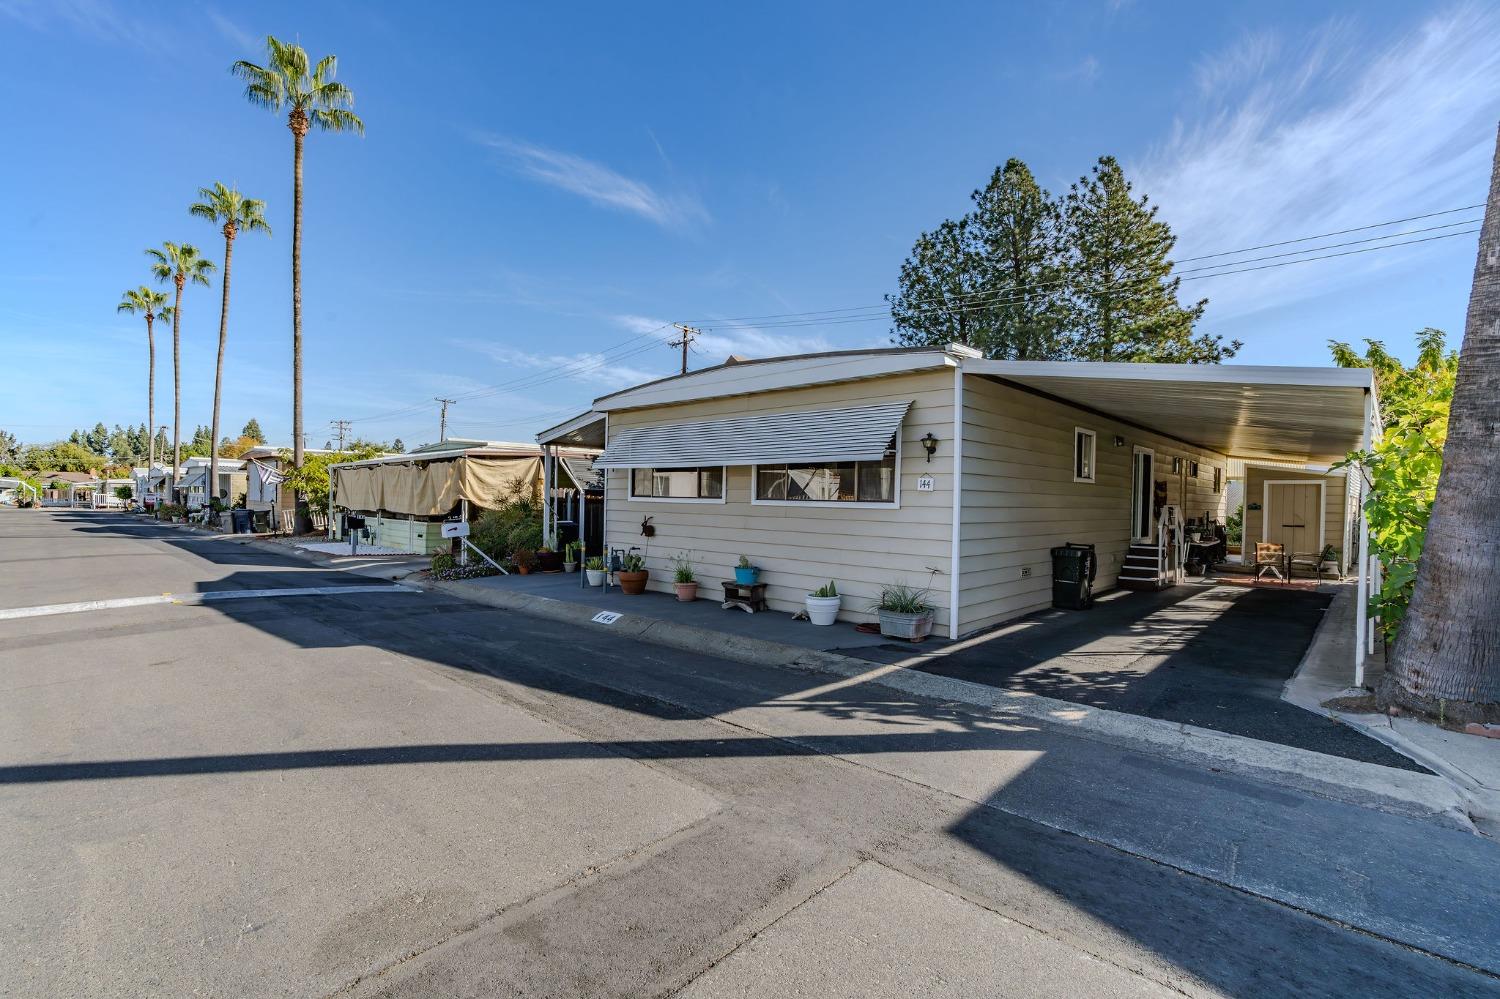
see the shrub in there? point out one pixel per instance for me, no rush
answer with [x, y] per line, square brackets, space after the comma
[682, 570]
[443, 562]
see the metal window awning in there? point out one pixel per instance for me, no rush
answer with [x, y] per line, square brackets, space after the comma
[861, 433]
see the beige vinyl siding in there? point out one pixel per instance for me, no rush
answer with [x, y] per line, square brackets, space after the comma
[1335, 488]
[1020, 499]
[799, 548]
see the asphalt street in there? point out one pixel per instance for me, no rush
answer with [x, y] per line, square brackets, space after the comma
[329, 785]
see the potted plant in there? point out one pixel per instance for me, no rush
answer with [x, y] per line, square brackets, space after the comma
[746, 574]
[904, 612]
[548, 560]
[594, 570]
[525, 560]
[571, 551]
[683, 580]
[1329, 561]
[823, 604]
[633, 574]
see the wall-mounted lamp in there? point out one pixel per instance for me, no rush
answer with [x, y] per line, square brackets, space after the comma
[929, 444]
[1119, 441]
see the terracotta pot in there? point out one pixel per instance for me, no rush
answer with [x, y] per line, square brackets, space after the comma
[633, 582]
[686, 592]
[524, 570]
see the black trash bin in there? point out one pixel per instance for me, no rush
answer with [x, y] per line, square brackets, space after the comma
[1073, 569]
[240, 521]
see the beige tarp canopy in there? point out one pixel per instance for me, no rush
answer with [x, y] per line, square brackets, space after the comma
[432, 488]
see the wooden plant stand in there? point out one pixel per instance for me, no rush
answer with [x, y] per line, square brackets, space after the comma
[749, 599]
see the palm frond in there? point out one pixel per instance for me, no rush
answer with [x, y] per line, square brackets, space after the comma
[204, 210]
[337, 120]
[289, 59]
[326, 69]
[332, 95]
[165, 312]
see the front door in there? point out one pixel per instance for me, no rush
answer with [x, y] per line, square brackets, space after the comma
[1293, 513]
[1142, 524]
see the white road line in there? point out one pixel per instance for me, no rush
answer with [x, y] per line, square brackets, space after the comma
[83, 606]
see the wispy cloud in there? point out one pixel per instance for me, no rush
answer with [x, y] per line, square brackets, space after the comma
[101, 20]
[1330, 131]
[612, 369]
[1085, 70]
[716, 342]
[234, 34]
[597, 183]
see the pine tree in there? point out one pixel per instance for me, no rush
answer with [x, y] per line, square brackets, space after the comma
[1017, 229]
[940, 283]
[397, 446]
[252, 430]
[1123, 302]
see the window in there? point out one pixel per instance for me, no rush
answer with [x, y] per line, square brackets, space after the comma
[1218, 480]
[705, 483]
[831, 482]
[1083, 454]
[1192, 469]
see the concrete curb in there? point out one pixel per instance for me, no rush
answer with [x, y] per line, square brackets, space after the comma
[1364, 784]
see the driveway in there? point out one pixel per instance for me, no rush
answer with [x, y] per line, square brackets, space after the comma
[1211, 655]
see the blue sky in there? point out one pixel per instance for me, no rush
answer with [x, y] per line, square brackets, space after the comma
[539, 189]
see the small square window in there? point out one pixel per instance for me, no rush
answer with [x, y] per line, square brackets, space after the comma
[1192, 469]
[1083, 454]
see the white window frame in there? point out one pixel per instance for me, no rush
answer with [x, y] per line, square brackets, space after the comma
[893, 504]
[1093, 475]
[721, 499]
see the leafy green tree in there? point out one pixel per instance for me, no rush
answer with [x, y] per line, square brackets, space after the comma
[252, 430]
[152, 305]
[178, 263]
[1402, 468]
[310, 480]
[227, 208]
[1123, 303]
[312, 98]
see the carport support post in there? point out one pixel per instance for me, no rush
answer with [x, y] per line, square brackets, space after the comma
[463, 516]
[330, 502]
[1362, 599]
[547, 538]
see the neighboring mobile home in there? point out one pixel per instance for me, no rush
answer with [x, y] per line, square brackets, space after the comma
[954, 473]
[192, 481]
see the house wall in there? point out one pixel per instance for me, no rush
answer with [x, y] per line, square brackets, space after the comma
[800, 548]
[1020, 499]
[1335, 492]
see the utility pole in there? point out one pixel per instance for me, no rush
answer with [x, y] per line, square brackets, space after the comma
[688, 334]
[443, 419]
[340, 427]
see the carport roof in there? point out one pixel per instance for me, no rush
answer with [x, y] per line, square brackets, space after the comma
[1314, 415]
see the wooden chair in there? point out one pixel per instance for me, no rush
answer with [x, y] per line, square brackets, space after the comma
[1270, 557]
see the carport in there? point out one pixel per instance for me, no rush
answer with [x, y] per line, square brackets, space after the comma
[1278, 416]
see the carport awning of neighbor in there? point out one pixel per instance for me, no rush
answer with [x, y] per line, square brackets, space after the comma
[860, 433]
[1311, 415]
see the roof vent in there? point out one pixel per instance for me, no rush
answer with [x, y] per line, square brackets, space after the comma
[735, 359]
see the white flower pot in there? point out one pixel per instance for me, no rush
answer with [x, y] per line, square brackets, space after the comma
[823, 610]
[596, 576]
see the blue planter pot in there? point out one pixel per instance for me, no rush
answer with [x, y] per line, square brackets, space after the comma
[746, 577]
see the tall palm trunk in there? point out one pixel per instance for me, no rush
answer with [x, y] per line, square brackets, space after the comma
[176, 384]
[150, 396]
[297, 122]
[213, 440]
[1446, 659]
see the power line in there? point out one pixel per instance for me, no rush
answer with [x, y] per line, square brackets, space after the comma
[1207, 256]
[342, 428]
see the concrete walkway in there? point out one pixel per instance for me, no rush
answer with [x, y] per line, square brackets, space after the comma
[1471, 763]
[705, 612]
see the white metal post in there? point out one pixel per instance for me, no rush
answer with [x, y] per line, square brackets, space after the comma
[463, 516]
[547, 518]
[1362, 597]
[958, 494]
[330, 502]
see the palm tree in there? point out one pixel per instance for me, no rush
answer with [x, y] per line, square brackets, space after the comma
[312, 97]
[153, 305]
[232, 211]
[178, 263]
[1446, 659]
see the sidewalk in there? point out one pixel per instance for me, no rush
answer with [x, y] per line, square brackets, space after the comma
[1470, 763]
